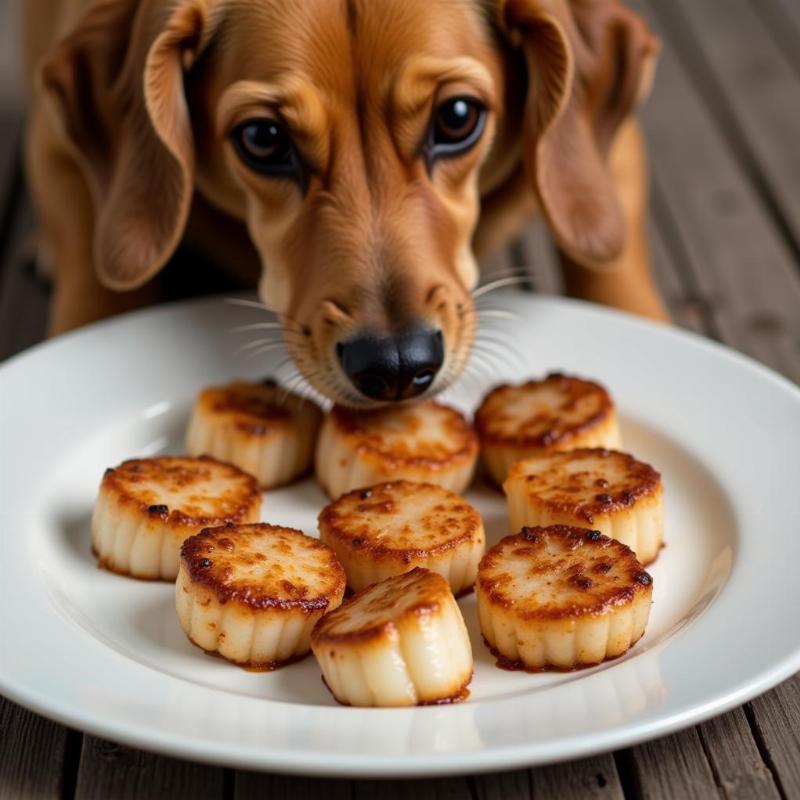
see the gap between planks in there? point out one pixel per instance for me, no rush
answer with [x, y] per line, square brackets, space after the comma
[736, 257]
[747, 84]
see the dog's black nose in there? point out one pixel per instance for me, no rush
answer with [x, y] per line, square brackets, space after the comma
[392, 367]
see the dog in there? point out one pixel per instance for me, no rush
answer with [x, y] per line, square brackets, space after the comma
[357, 159]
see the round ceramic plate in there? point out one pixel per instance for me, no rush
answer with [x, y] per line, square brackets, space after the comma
[105, 653]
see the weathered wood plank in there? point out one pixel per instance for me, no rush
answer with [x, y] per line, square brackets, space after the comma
[9, 171]
[508, 785]
[667, 768]
[255, 786]
[537, 256]
[684, 301]
[431, 789]
[728, 744]
[738, 768]
[792, 10]
[683, 297]
[736, 256]
[32, 754]
[10, 106]
[753, 89]
[775, 718]
[782, 17]
[24, 297]
[587, 779]
[109, 770]
[11, 73]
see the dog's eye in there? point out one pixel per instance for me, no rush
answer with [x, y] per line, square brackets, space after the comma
[457, 125]
[265, 146]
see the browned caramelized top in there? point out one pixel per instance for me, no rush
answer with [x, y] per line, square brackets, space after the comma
[560, 571]
[258, 409]
[545, 413]
[192, 492]
[401, 519]
[379, 608]
[587, 482]
[426, 434]
[265, 566]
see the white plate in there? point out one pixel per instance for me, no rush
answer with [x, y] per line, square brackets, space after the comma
[105, 653]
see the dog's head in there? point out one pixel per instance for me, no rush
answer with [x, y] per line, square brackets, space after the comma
[355, 138]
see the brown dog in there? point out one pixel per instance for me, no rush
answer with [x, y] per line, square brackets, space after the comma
[374, 149]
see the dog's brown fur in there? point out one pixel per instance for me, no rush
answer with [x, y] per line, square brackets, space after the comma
[128, 152]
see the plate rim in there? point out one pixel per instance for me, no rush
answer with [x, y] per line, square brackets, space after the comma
[334, 764]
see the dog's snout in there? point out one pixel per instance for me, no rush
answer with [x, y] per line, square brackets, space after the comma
[387, 368]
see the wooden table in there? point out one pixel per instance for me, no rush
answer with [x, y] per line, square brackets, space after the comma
[724, 131]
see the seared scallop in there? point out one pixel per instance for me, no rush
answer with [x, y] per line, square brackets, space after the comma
[253, 593]
[390, 528]
[561, 598]
[260, 427]
[558, 413]
[426, 442]
[401, 642]
[595, 488]
[147, 507]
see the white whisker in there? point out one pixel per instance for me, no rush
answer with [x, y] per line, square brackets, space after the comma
[496, 313]
[256, 343]
[256, 326]
[499, 283]
[259, 351]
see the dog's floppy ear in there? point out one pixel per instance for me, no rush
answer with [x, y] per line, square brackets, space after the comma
[117, 80]
[590, 62]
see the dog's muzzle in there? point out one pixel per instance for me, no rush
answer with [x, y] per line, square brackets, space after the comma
[391, 368]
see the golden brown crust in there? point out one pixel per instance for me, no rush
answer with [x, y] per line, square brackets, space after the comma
[567, 495]
[459, 696]
[587, 573]
[547, 428]
[264, 566]
[517, 665]
[128, 483]
[355, 521]
[255, 666]
[369, 432]
[374, 611]
[257, 409]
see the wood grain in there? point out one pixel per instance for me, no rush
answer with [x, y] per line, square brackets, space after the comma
[435, 789]
[775, 718]
[734, 251]
[684, 300]
[24, 296]
[536, 254]
[10, 127]
[589, 779]
[109, 770]
[32, 751]
[256, 786]
[782, 17]
[508, 785]
[11, 72]
[669, 768]
[738, 768]
[747, 81]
